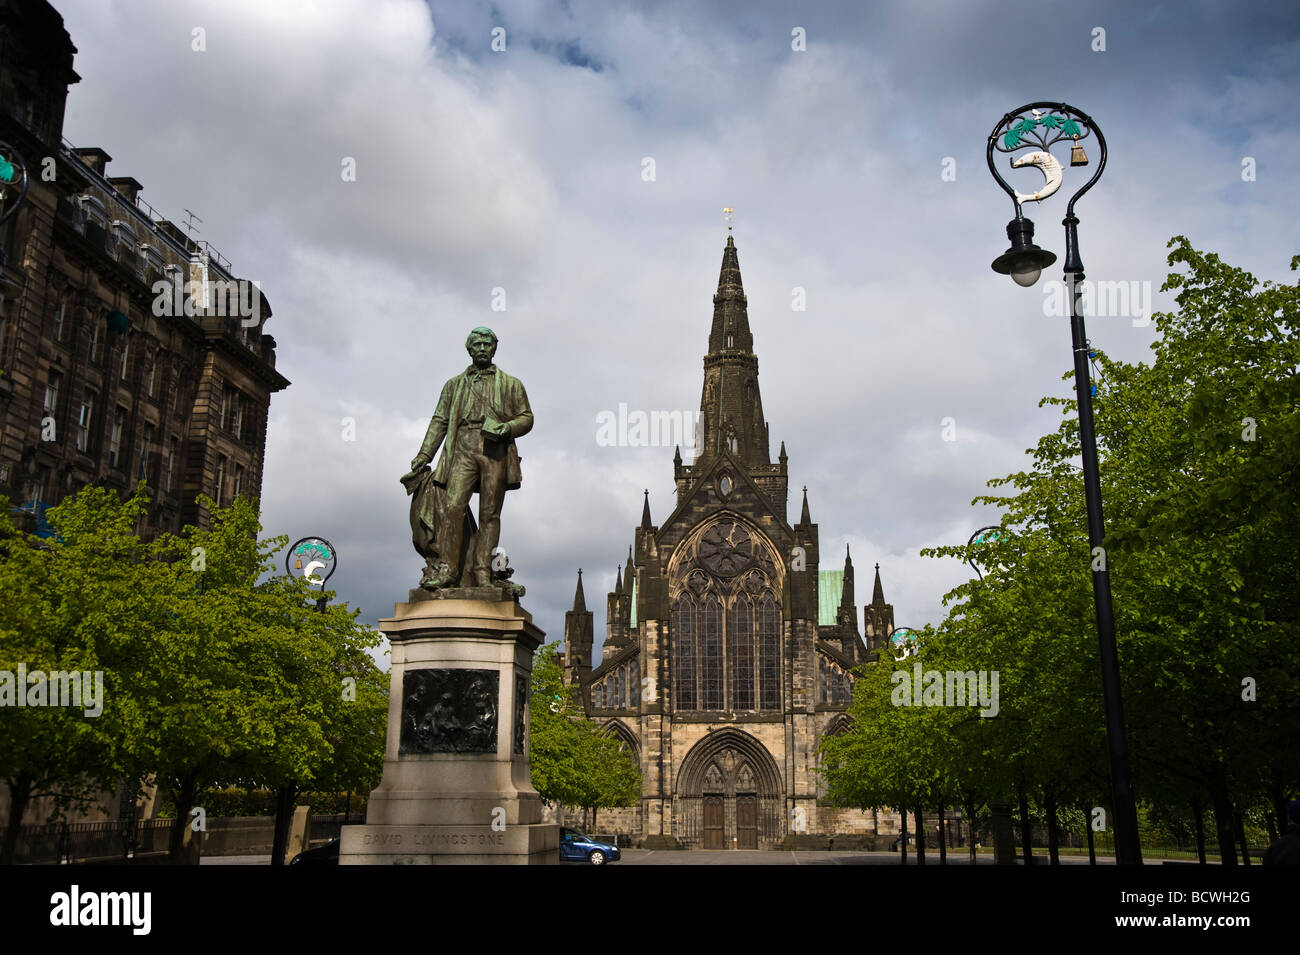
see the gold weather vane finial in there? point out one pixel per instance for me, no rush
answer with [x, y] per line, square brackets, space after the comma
[729, 214]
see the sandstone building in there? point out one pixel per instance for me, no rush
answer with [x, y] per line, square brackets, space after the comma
[728, 650]
[105, 379]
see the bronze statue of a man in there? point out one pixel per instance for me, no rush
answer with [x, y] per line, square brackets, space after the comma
[480, 413]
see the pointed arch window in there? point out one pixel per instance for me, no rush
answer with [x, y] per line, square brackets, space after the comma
[740, 634]
[711, 654]
[684, 626]
[727, 621]
[769, 653]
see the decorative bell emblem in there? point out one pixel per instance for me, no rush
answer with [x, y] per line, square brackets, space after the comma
[298, 564]
[1077, 156]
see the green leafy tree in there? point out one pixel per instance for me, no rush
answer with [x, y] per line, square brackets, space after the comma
[573, 762]
[46, 596]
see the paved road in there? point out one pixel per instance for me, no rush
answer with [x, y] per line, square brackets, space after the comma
[748, 857]
[772, 857]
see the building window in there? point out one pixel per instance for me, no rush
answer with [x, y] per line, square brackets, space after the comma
[153, 376]
[152, 262]
[115, 438]
[96, 338]
[126, 357]
[633, 682]
[239, 481]
[221, 480]
[170, 474]
[125, 247]
[740, 635]
[769, 653]
[711, 654]
[684, 625]
[143, 461]
[598, 696]
[58, 322]
[83, 421]
[232, 411]
[52, 385]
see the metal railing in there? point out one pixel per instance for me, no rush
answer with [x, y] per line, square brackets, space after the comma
[148, 215]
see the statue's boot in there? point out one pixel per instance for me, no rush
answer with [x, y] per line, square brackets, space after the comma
[438, 578]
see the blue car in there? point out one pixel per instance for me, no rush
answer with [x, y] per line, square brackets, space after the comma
[575, 847]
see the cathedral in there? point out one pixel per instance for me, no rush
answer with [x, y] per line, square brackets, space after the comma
[728, 650]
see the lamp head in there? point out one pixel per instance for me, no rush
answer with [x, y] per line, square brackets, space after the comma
[1024, 261]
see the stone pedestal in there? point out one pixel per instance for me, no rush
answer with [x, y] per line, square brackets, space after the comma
[456, 787]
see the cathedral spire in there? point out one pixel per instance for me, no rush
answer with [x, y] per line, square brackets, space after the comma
[731, 410]
[877, 592]
[618, 583]
[630, 564]
[804, 516]
[645, 511]
[846, 598]
[579, 599]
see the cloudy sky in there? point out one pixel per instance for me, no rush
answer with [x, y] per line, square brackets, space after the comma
[582, 168]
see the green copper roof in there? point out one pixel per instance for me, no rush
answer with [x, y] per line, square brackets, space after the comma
[830, 588]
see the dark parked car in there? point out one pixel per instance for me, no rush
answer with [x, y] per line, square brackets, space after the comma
[575, 847]
[327, 854]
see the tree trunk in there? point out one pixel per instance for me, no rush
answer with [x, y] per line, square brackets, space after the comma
[20, 794]
[1278, 798]
[943, 840]
[902, 838]
[1087, 829]
[920, 836]
[1004, 835]
[970, 827]
[1053, 834]
[184, 799]
[1240, 822]
[1026, 828]
[284, 800]
[1198, 820]
[1223, 817]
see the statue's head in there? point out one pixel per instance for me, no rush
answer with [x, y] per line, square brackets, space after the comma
[482, 346]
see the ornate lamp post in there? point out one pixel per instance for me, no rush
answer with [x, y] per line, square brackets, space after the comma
[1038, 126]
[990, 532]
[13, 180]
[13, 187]
[308, 556]
[902, 642]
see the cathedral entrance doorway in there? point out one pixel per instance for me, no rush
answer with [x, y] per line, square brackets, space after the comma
[715, 811]
[728, 794]
[747, 821]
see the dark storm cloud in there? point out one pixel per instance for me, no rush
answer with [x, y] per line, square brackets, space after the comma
[522, 171]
